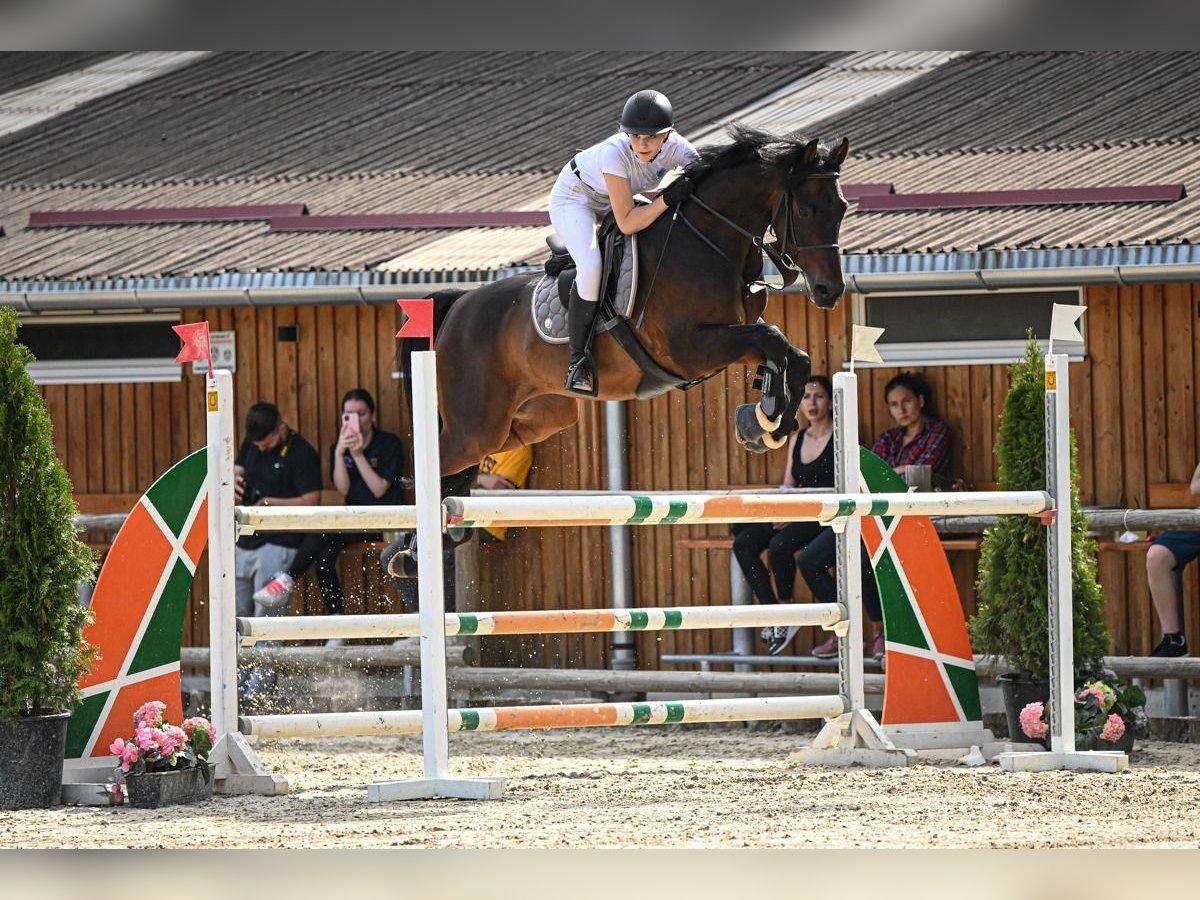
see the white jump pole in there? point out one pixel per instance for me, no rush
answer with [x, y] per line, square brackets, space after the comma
[237, 767]
[855, 737]
[1060, 596]
[432, 600]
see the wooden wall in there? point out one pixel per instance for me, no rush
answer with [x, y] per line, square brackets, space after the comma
[1133, 409]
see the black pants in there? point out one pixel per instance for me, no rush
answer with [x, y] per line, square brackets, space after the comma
[750, 540]
[323, 550]
[819, 557]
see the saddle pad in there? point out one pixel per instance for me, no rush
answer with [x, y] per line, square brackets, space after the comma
[550, 316]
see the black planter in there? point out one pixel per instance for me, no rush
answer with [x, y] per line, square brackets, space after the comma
[1090, 742]
[150, 790]
[31, 761]
[1018, 691]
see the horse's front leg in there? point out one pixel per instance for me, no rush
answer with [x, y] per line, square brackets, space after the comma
[764, 425]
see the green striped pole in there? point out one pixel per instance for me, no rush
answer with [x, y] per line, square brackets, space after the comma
[509, 718]
[562, 621]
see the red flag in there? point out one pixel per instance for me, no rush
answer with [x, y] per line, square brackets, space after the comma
[419, 321]
[195, 343]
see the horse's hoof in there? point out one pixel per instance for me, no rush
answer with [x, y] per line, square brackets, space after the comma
[754, 446]
[773, 442]
[399, 558]
[745, 420]
[768, 424]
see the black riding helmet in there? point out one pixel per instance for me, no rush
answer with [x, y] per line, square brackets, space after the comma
[647, 112]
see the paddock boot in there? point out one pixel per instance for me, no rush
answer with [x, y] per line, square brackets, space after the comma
[581, 373]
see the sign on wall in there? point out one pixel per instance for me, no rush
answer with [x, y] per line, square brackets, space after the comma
[224, 353]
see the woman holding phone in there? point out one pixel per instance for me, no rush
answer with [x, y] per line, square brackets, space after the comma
[366, 464]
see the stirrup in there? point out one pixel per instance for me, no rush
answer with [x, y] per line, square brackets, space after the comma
[580, 368]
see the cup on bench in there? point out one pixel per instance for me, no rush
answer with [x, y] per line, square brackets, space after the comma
[919, 477]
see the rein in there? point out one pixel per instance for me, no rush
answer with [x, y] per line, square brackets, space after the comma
[780, 257]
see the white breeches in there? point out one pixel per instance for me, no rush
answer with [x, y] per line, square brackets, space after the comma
[575, 210]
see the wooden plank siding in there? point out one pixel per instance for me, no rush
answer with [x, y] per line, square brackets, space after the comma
[1133, 409]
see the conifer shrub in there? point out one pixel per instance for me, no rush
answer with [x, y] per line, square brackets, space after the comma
[1012, 618]
[42, 559]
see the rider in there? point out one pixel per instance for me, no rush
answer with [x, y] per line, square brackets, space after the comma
[607, 175]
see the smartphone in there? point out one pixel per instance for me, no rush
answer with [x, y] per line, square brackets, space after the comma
[350, 420]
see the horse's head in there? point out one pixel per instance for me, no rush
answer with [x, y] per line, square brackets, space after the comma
[808, 219]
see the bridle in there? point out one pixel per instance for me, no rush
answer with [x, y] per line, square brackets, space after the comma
[776, 251]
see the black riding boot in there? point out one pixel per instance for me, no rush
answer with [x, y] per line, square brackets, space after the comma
[581, 373]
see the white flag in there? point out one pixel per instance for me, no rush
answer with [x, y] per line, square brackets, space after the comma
[1062, 322]
[862, 344]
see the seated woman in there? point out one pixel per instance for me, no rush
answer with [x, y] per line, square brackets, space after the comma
[919, 438]
[811, 466]
[365, 465]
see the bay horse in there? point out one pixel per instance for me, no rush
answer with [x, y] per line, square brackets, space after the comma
[500, 386]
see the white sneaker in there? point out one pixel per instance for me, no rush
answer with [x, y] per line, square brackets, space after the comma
[277, 592]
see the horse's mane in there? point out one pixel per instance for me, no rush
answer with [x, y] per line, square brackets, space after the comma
[752, 145]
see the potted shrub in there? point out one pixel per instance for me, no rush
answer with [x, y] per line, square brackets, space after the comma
[163, 764]
[1012, 619]
[42, 560]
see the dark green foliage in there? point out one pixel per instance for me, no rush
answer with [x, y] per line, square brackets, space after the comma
[1012, 618]
[42, 558]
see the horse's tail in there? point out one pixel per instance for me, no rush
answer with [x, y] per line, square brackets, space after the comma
[442, 301]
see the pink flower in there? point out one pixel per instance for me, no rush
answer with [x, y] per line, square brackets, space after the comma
[1092, 692]
[129, 757]
[145, 739]
[190, 725]
[1114, 729]
[149, 714]
[117, 747]
[1031, 721]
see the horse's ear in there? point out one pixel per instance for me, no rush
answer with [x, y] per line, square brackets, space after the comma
[808, 155]
[838, 156]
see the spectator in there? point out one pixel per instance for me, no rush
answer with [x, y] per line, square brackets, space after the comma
[1168, 554]
[274, 467]
[811, 466]
[920, 438]
[503, 471]
[365, 464]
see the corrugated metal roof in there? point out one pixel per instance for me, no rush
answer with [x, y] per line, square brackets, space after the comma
[934, 231]
[26, 106]
[834, 88]
[19, 70]
[1026, 99]
[244, 114]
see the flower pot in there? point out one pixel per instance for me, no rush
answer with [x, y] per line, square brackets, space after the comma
[1093, 742]
[1018, 691]
[31, 760]
[150, 790]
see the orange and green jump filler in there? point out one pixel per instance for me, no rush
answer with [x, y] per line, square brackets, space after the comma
[682, 509]
[505, 718]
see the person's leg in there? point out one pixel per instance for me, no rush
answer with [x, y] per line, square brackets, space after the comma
[872, 605]
[781, 553]
[814, 564]
[325, 563]
[269, 559]
[576, 225]
[749, 541]
[306, 553]
[277, 592]
[1165, 560]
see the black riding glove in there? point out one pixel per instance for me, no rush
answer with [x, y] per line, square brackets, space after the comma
[678, 191]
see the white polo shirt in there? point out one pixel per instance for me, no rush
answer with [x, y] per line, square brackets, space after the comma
[614, 156]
